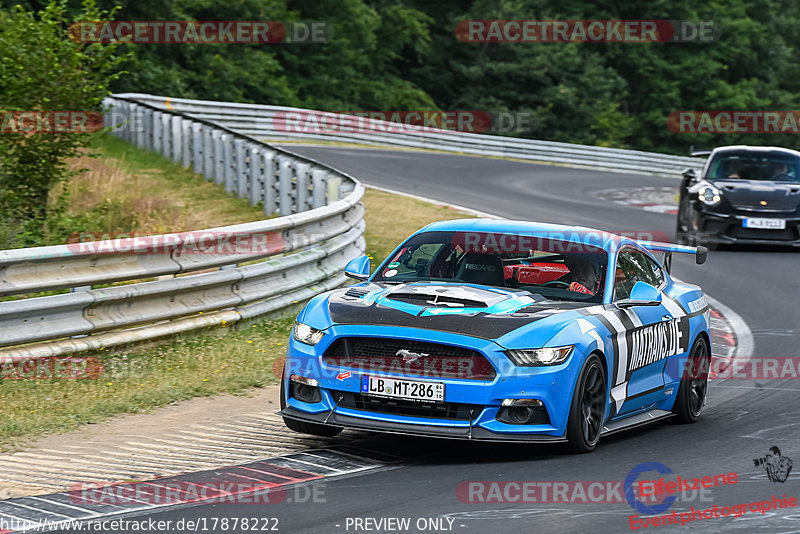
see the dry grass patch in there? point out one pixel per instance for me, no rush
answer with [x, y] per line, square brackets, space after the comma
[129, 190]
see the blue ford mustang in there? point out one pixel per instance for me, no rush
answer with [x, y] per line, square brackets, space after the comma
[502, 330]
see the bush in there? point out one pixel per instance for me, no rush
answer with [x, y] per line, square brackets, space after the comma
[41, 70]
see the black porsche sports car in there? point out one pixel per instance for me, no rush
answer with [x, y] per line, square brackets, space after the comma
[745, 194]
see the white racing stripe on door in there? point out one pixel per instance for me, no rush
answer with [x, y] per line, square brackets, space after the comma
[619, 394]
[633, 317]
[622, 343]
[672, 307]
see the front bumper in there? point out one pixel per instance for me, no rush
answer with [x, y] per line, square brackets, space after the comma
[468, 432]
[552, 385]
[721, 228]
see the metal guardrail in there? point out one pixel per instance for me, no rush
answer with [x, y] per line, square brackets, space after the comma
[200, 281]
[279, 123]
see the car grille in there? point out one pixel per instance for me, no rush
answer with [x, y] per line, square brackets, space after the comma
[448, 410]
[384, 355]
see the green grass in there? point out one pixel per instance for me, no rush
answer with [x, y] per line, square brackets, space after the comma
[99, 385]
[140, 379]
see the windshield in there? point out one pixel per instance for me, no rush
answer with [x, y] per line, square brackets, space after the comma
[755, 166]
[555, 269]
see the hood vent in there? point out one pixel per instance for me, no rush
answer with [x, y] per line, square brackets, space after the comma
[551, 308]
[437, 300]
[356, 292]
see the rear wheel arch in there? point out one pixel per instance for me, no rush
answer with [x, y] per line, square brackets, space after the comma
[706, 337]
[693, 388]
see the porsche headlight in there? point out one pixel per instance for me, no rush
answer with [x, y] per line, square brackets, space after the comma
[534, 357]
[306, 334]
[709, 195]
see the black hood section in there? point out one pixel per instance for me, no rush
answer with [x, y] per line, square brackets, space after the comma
[481, 325]
[749, 195]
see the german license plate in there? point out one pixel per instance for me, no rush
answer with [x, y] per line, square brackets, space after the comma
[768, 224]
[402, 389]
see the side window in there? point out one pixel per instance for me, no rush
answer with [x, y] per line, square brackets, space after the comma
[415, 260]
[633, 266]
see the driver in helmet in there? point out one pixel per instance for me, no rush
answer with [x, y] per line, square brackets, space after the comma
[582, 277]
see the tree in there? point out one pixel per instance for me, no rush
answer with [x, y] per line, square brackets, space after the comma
[43, 70]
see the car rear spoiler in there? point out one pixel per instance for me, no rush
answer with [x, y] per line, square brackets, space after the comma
[701, 253]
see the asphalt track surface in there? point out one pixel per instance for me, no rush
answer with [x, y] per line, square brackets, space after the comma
[742, 419]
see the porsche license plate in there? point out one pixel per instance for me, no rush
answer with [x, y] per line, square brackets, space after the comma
[767, 224]
[402, 389]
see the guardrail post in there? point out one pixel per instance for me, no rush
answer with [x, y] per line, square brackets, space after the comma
[137, 127]
[302, 187]
[241, 168]
[333, 189]
[166, 135]
[122, 114]
[198, 147]
[219, 159]
[270, 178]
[157, 135]
[345, 188]
[318, 178]
[188, 138]
[285, 186]
[227, 158]
[147, 129]
[256, 174]
[208, 152]
[177, 140]
[131, 125]
[110, 119]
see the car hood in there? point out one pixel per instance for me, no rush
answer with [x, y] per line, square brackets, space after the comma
[478, 311]
[752, 194]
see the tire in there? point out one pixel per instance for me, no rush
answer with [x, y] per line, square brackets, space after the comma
[586, 413]
[694, 384]
[325, 431]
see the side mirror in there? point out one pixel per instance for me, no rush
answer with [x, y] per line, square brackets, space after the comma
[689, 174]
[642, 294]
[358, 268]
[701, 256]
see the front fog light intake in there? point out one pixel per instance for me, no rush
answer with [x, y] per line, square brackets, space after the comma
[304, 389]
[545, 356]
[306, 334]
[523, 412]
